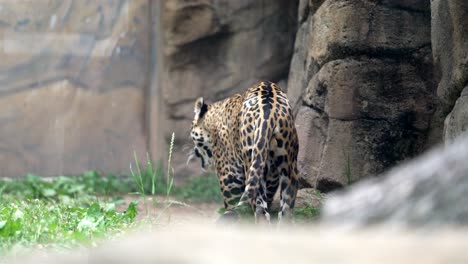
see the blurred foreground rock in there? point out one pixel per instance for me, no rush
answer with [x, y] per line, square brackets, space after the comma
[429, 191]
[205, 244]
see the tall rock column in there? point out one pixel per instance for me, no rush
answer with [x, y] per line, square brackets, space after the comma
[450, 51]
[361, 84]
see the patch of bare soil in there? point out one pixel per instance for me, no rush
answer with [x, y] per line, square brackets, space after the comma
[169, 210]
[164, 210]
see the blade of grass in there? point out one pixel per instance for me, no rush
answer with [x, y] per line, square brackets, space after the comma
[169, 179]
[135, 179]
[139, 172]
[150, 168]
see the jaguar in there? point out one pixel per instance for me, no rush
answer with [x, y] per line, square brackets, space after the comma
[250, 140]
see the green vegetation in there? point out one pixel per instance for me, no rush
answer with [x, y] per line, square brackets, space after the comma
[60, 212]
[306, 214]
[69, 211]
[64, 188]
[50, 223]
[309, 211]
[66, 211]
[150, 180]
[203, 188]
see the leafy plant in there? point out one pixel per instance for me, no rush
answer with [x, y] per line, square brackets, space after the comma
[48, 223]
[64, 187]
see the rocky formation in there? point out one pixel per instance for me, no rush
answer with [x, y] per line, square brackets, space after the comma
[365, 79]
[456, 121]
[450, 51]
[72, 85]
[429, 191]
[122, 75]
[214, 48]
[361, 84]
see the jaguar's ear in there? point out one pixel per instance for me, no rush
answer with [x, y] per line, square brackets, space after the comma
[200, 108]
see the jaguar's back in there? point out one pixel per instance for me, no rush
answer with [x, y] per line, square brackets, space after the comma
[251, 140]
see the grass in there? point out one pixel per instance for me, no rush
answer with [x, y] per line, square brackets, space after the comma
[150, 173]
[203, 188]
[48, 223]
[66, 211]
[61, 212]
[306, 214]
[309, 212]
[64, 188]
[150, 180]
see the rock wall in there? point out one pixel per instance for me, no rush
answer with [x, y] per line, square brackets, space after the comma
[82, 84]
[361, 84]
[72, 85]
[450, 51]
[215, 48]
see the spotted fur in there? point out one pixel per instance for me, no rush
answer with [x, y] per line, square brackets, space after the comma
[250, 139]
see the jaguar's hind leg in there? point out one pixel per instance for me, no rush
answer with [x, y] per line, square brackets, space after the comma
[232, 188]
[288, 191]
[272, 183]
[261, 210]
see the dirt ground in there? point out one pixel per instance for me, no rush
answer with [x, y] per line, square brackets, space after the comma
[169, 210]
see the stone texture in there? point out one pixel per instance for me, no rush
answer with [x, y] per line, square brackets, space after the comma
[76, 131]
[207, 244]
[215, 49]
[431, 191]
[312, 134]
[457, 121]
[450, 52]
[301, 68]
[309, 197]
[338, 29]
[372, 89]
[72, 85]
[361, 85]
[101, 45]
[341, 28]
